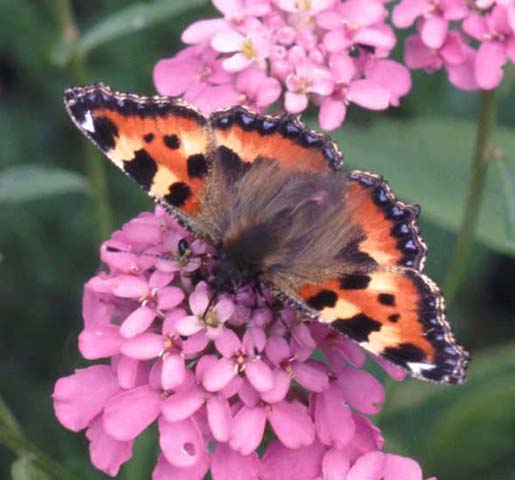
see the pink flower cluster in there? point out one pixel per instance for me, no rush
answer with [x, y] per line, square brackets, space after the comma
[216, 373]
[448, 30]
[327, 52]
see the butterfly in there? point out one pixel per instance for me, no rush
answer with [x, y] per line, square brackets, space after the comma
[272, 196]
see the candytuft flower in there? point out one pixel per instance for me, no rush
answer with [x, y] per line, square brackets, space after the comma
[286, 47]
[214, 371]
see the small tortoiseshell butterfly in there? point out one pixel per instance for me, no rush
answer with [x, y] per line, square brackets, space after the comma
[272, 196]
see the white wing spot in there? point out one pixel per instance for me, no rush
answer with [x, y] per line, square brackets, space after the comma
[418, 368]
[87, 123]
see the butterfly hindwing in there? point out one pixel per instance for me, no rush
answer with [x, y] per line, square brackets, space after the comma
[382, 300]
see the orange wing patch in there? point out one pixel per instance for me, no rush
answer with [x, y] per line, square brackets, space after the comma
[390, 232]
[162, 144]
[286, 139]
[397, 313]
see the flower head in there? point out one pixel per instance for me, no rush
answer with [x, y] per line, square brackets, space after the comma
[214, 370]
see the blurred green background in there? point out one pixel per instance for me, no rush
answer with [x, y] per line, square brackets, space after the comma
[49, 232]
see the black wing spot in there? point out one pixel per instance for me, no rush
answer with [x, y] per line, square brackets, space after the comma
[197, 165]
[394, 317]
[172, 141]
[355, 281]
[324, 298]
[178, 194]
[148, 137]
[142, 168]
[232, 165]
[358, 327]
[105, 133]
[404, 353]
[386, 299]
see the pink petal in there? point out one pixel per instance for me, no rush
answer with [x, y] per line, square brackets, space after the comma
[367, 438]
[182, 404]
[277, 349]
[169, 297]
[144, 232]
[170, 321]
[203, 30]
[280, 388]
[476, 26]
[342, 67]
[376, 37]
[361, 389]
[219, 417]
[335, 465]
[181, 442]
[433, 32]
[333, 418]
[128, 286]
[80, 397]
[106, 453]
[337, 41]
[219, 375]
[160, 279]
[368, 467]
[173, 371]
[227, 343]
[144, 346]
[406, 12]
[259, 375]
[247, 429]
[489, 62]
[332, 113]
[354, 12]
[199, 299]
[237, 62]
[224, 309]
[127, 414]
[194, 344]
[227, 41]
[226, 464]
[165, 471]
[394, 76]
[94, 310]
[418, 55]
[401, 467]
[137, 322]
[368, 94]
[248, 394]
[284, 463]
[295, 102]
[311, 376]
[269, 92]
[392, 370]
[127, 371]
[188, 325]
[292, 424]
[100, 342]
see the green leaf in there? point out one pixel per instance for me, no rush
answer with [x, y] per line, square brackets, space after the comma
[132, 19]
[506, 177]
[427, 161]
[25, 469]
[459, 432]
[30, 182]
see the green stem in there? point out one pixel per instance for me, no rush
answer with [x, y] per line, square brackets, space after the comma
[94, 163]
[480, 160]
[12, 437]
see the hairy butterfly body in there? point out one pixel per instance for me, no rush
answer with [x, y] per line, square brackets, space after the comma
[272, 196]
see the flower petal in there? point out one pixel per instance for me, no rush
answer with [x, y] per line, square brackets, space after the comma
[226, 464]
[292, 424]
[80, 397]
[219, 417]
[127, 414]
[106, 453]
[137, 322]
[247, 429]
[182, 404]
[181, 442]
